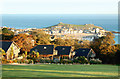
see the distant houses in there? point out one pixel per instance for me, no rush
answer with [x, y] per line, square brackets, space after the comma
[63, 30]
[89, 30]
[72, 30]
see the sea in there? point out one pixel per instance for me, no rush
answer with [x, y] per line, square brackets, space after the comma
[21, 21]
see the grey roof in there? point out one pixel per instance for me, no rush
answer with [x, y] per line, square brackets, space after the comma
[5, 45]
[63, 50]
[43, 49]
[82, 52]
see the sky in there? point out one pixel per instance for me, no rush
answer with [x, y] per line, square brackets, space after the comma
[59, 6]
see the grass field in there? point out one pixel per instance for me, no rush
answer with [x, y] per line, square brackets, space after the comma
[53, 70]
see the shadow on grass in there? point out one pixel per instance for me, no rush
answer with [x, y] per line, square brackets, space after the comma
[60, 78]
[51, 74]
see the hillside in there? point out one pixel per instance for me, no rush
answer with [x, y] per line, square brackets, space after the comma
[86, 26]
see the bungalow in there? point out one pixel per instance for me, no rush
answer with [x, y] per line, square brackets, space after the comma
[45, 51]
[63, 51]
[9, 47]
[88, 53]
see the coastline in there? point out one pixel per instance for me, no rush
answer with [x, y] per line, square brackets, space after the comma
[115, 32]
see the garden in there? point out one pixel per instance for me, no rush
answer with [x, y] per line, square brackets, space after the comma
[35, 58]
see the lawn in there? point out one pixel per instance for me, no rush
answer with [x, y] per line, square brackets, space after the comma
[53, 70]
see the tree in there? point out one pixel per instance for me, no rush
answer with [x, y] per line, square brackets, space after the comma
[5, 30]
[117, 54]
[41, 37]
[33, 56]
[82, 59]
[2, 52]
[84, 44]
[65, 42]
[25, 53]
[33, 53]
[104, 48]
[7, 34]
[24, 42]
[37, 54]
[59, 41]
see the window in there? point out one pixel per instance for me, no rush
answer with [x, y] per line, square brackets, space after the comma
[45, 47]
[83, 50]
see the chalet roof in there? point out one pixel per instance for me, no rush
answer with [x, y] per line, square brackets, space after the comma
[63, 50]
[43, 49]
[5, 45]
[82, 52]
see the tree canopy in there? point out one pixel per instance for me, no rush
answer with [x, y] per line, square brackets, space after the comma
[6, 34]
[24, 41]
[41, 37]
[104, 47]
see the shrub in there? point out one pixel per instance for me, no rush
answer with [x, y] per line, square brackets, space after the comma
[52, 61]
[41, 61]
[61, 61]
[18, 61]
[29, 57]
[75, 61]
[15, 61]
[70, 62]
[56, 60]
[47, 61]
[4, 61]
[10, 61]
[37, 60]
[81, 60]
[26, 61]
[34, 60]
[29, 61]
[64, 61]
[65, 57]
[95, 61]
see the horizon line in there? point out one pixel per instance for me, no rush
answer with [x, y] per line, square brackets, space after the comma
[60, 13]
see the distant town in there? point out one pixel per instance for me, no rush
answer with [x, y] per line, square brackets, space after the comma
[66, 31]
